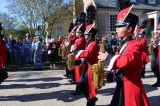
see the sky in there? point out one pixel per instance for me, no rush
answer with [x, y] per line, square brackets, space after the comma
[3, 3]
[66, 1]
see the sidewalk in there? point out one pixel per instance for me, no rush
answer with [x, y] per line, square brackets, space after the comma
[51, 88]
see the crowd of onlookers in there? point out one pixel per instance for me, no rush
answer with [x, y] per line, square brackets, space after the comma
[19, 51]
[29, 52]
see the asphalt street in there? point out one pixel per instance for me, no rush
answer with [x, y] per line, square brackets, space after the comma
[51, 88]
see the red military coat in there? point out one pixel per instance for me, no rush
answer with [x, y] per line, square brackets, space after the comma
[131, 64]
[145, 58]
[80, 44]
[59, 42]
[72, 39]
[91, 54]
[3, 53]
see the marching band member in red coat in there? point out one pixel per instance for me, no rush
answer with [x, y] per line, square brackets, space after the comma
[80, 44]
[89, 56]
[3, 59]
[2, 54]
[143, 42]
[72, 38]
[127, 63]
[66, 44]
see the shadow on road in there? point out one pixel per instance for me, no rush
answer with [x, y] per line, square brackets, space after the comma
[150, 76]
[40, 86]
[37, 79]
[149, 88]
[63, 95]
[12, 67]
[154, 100]
[106, 92]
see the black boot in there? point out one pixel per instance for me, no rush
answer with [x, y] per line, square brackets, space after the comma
[77, 91]
[143, 73]
[3, 75]
[92, 102]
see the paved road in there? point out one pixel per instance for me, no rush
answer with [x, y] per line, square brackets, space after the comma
[51, 88]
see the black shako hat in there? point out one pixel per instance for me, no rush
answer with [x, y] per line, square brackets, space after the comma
[82, 18]
[124, 17]
[90, 30]
[80, 28]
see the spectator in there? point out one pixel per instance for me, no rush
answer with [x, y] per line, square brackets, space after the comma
[38, 54]
[52, 53]
[48, 39]
[114, 42]
[13, 41]
[26, 50]
[150, 49]
[29, 40]
[59, 41]
[17, 50]
[155, 65]
[39, 32]
[33, 47]
[8, 45]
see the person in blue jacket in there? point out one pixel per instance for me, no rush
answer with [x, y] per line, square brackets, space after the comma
[17, 49]
[38, 54]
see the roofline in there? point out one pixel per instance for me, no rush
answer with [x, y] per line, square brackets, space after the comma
[132, 9]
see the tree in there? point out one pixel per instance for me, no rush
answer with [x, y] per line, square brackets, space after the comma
[21, 31]
[34, 12]
[77, 7]
[8, 23]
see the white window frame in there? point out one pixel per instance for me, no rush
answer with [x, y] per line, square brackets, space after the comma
[151, 1]
[113, 22]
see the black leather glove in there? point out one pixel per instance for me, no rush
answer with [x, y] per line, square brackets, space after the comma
[77, 62]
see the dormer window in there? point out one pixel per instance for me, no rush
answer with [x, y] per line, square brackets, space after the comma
[151, 1]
